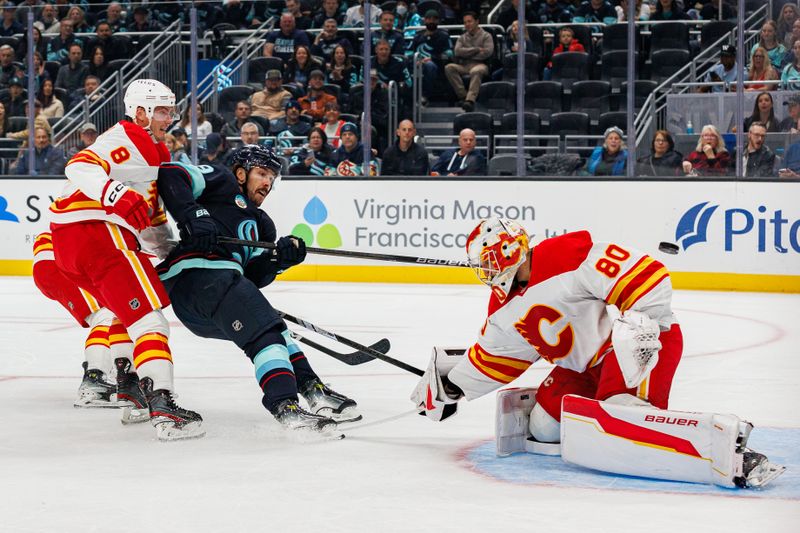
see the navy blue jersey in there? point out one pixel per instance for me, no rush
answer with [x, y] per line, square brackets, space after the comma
[187, 189]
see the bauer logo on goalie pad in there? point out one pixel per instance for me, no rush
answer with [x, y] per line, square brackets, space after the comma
[670, 420]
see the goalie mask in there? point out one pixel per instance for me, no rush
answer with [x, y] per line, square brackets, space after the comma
[496, 249]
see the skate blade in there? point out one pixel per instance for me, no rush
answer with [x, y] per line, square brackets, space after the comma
[91, 401]
[763, 474]
[134, 416]
[307, 435]
[347, 416]
[167, 432]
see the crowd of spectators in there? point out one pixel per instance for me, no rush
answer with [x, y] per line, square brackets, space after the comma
[311, 98]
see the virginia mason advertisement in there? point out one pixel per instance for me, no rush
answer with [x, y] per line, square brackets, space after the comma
[720, 227]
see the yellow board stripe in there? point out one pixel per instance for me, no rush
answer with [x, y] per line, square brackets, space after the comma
[701, 281]
[133, 259]
[625, 279]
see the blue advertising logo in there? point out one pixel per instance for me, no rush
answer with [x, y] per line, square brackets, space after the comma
[693, 225]
[4, 214]
[773, 226]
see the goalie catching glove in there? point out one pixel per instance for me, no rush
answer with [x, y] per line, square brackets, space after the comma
[434, 395]
[635, 339]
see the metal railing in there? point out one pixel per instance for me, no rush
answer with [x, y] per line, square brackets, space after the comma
[653, 111]
[233, 66]
[161, 59]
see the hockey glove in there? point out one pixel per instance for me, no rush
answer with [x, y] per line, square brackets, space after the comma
[635, 340]
[290, 251]
[434, 395]
[199, 230]
[127, 203]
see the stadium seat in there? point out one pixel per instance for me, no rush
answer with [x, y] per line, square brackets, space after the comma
[61, 94]
[543, 98]
[13, 42]
[668, 35]
[389, 5]
[614, 67]
[641, 90]
[216, 120]
[592, 97]
[263, 122]
[17, 123]
[494, 97]
[612, 118]
[569, 67]
[297, 92]
[569, 123]
[228, 98]
[668, 62]
[537, 39]
[425, 5]
[508, 126]
[357, 61]
[52, 69]
[714, 31]
[615, 37]
[531, 67]
[503, 165]
[116, 64]
[480, 123]
[258, 67]
[334, 90]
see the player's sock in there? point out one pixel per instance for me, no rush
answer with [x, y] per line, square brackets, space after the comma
[275, 376]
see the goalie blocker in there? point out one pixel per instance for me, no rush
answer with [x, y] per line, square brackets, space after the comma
[623, 436]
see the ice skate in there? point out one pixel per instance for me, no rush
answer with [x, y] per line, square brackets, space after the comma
[95, 391]
[757, 471]
[129, 395]
[322, 400]
[171, 422]
[292, 416]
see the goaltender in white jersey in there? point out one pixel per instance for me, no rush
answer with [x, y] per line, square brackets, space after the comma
[601, 313]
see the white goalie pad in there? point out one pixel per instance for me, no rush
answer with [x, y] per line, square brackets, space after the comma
[648, 442]
[512, 419]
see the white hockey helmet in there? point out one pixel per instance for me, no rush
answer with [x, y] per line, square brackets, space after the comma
[147, 94]
[496, 248]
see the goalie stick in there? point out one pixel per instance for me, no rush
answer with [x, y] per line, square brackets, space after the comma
[350, 253]
[353, 344]
[353, 358]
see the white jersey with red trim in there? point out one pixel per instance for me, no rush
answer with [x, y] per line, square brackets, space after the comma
[126, 153]
[561, 314]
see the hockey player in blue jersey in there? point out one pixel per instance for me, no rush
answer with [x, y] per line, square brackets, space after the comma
[214, 287]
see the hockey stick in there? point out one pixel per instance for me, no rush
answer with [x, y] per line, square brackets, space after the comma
[353, 344]
[350, 253]
[354, 358]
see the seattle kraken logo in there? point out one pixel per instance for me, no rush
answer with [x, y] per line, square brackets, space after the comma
[693, 225]
[247, 230]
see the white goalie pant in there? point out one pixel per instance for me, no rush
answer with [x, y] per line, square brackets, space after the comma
[649, 442]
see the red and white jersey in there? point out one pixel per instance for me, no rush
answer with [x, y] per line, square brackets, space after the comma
[561, 315]
[125, 153]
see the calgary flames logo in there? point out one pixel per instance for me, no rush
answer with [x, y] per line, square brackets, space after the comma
[530, 327]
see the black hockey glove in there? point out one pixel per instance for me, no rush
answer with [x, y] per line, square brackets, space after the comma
[199, 230]
[287, 253]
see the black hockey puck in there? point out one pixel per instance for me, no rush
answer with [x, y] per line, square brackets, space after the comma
[668, 248]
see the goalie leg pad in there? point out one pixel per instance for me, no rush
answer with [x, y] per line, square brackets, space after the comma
[511, 423]
[650, 442]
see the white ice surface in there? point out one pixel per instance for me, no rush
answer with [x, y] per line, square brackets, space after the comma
[64, 469]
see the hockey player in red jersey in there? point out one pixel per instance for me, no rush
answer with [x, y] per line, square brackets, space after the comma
[601, 313]
[107, 344]
[110, 211]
